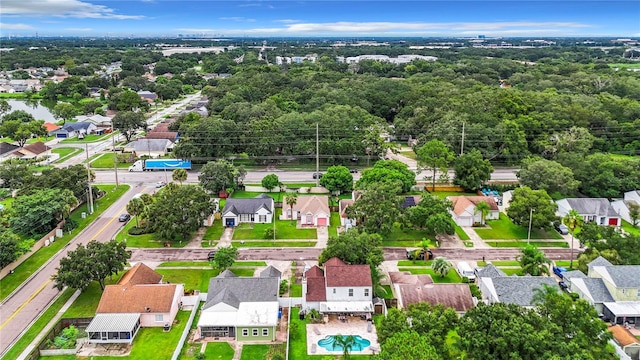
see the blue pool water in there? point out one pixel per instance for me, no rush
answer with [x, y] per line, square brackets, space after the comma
[329, 341]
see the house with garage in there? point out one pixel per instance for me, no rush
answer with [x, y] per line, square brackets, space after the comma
[50, 127]
[497, 287]
[598, 210]
[33, 151]
[241, 308]
[139, 299]
[150, 147]
[413, 289]
[259, 209]
[465, 213]
[310, 210]
[75, 129]
[98, 120]
[623, 206]
[338, 289]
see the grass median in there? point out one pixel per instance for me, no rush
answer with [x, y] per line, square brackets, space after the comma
[21, 273]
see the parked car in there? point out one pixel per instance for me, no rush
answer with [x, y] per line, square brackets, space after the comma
[317, 175]
[559, 271]
[124, 217]
[353, 171]
[414, 254]
[211, 255]
[562, 229]
[160, 184]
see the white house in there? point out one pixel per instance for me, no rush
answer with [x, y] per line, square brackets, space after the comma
[255, 210]
[73, 129]
[339, 289]
[598, 210]
[309, 210]
[464, 211]
[622, 206]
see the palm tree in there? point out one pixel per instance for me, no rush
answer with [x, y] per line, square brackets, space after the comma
[346, 342]
[135, 207]
[292, 199]
[533, 261]
[179, 175]
[482, 208]
[376, 278]
[424, 246]
[441, 266]
[573, 219]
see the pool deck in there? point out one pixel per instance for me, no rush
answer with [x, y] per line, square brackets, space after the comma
[354, 326]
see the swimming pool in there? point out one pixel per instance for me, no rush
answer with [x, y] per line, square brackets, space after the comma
[329, 343]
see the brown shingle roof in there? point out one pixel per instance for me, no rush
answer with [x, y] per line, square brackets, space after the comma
[169, 135]
[461, 203]
[406, 278]
[343, 205]
[457, 296]
[140, 274]
[314, 272]
[623, 336]
[346, 275]
[316, 290]
[37, 148]
[312, 204]
[155, 298]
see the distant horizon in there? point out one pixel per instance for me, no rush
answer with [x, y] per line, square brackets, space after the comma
[319, 18]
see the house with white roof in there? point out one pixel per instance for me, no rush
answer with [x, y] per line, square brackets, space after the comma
[621, 206]
[598, 210]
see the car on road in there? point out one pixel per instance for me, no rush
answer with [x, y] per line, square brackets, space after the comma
[317, 175]
[353, 171]
[160, 184]
[562, 229]
[418, 254]
[124, 217]
[211, 255]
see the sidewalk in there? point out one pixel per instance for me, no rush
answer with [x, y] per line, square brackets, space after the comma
[49, 326]
[478, 243]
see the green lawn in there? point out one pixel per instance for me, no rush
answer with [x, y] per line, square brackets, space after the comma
[523, 243]
[214, 232]
[444, 194]
[243, 272]
[504, 229]
[334, 222]
[415, 263]
[87, 303]
[252, 352]
[500, 263]
[241, 194]
[36, 260]
[195, 279]
[630, 229]
[144, 240]
[285, 229]
[452, 276]
[66, 153]
[296, 290]
[398, 234]
[625, 66]
[565, 263]
[206, 263]
[219, 351]
[461, 234]
[409, 153]
[267, 243]
[512, 271]
[105, 161]
[33, 331]
[87, 139]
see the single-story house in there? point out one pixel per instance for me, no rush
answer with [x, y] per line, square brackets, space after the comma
[496, 287]
[51, 127]
[621, 206]
[161, 131]
[147, 96]
[7, 149]
[73, 129]
[96, 119]
[32, 151]
[412, 289]
[598, 210]
[151, 147]
[259, 209]
[464, 211]
[625, 339]
[139, 299]
[244, 308]
[309, 210]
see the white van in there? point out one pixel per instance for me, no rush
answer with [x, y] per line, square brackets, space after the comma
[464, 270]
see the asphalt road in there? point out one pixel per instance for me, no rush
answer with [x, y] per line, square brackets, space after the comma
[23, 306]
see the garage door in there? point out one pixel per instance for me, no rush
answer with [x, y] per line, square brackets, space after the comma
[613, 221]
[322, 221]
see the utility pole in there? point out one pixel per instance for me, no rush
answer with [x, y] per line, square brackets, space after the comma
[317, 158]
[530, 221]
[462, 143]
[115, 154]
[89, 180]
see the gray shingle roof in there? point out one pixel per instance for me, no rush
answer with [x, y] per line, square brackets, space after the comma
[573, 274]
[598, 290]
[227, 274]
[597, 206]
[150, 145]
[243, 289]
[600, 261]
[248, 206]
[74, 126]
[491, 271]
[270, 271]
[625, 276]
[520, 289]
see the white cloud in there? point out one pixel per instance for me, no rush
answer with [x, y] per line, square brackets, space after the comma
[79, 29]
[5, 26]
[287, 21]
[62, 8]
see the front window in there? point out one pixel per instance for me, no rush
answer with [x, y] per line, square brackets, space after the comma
[159, 318]
[255, 332]
[366, 292]
[265, 332]
[262, 218]
[245, 332]
[350, 292]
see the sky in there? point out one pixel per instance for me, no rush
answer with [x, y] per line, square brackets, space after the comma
[291, 18]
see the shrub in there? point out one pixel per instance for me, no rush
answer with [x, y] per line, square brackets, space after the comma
[269, 233]
[69, 224]
[283, 287]
[67, 339]
[465, 280]
[475, 291]
[138, 230]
